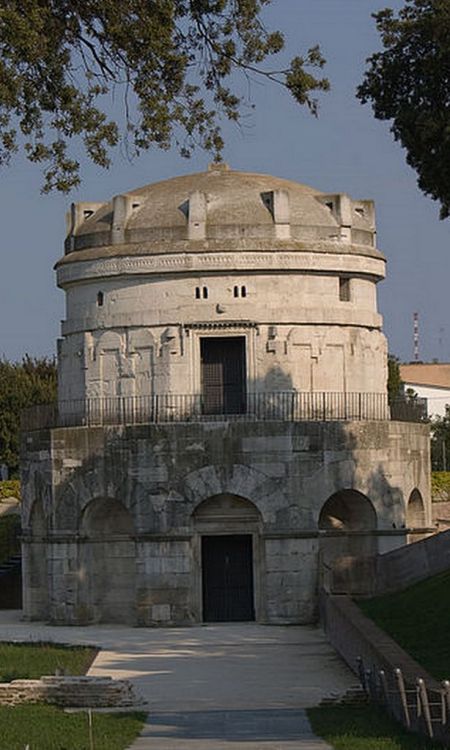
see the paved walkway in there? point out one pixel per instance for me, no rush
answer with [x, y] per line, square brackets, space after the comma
[212, 687]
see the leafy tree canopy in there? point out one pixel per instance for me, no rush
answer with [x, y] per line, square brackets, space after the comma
[22, 384]
[169, 60]
[409, 83]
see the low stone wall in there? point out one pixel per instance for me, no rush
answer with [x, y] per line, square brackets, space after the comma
[411, 694]
[392, 571]
[406, 565]
[70, 692]
[354, 636]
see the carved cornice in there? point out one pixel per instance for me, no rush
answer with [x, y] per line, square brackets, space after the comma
[218, 262]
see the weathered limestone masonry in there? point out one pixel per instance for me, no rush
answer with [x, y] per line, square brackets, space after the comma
[222, 434]
[143, 564]
[70, 692]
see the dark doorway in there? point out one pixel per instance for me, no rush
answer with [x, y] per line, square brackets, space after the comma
[223, 374]
[227, 571]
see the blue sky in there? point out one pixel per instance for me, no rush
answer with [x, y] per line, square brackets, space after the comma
[344, 150]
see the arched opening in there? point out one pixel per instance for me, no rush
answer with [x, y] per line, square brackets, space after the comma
[348, 520]
[36, 594]
[415, 515]
[107, 571]
[227, 529]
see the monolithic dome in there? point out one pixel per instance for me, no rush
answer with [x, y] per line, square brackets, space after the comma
[222, 437]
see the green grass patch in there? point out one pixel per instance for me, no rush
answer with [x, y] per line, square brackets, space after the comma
[418, 618]
[49, 728]
[30, 661]
[364, 728]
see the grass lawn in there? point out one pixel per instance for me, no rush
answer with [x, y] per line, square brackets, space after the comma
[48, 728]
[32, 660]
[364, 728]
[418, 618]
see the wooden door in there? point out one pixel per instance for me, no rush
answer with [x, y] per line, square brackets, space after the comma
[227, 578]
[223, 375]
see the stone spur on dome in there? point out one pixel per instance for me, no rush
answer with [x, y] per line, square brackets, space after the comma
[222, 435]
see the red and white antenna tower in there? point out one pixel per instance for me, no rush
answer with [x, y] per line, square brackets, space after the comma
[416, 336]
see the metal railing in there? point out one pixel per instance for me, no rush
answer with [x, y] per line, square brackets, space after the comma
[286, 406]
[421, 707]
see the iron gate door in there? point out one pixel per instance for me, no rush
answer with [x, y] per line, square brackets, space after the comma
[227, 578]
[223, 374]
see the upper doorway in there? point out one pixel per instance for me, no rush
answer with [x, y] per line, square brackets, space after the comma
[223, 374]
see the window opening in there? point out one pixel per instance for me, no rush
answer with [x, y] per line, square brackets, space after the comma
[243, 291]
[236, 291]
[344, 289]
[100, 299]
[197, 292]
[205, 292]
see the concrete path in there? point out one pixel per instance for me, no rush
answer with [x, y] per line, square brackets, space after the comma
[212, 687]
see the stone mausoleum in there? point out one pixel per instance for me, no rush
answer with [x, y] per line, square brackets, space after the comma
[222, 436]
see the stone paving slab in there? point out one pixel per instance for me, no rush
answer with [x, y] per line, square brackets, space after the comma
[213, 687]
[222, 730]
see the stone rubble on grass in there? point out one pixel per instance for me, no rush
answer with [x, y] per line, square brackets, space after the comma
[71, 692]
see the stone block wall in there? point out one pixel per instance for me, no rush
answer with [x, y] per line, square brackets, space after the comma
[113, 531]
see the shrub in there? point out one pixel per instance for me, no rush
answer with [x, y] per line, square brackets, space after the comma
[10, 488]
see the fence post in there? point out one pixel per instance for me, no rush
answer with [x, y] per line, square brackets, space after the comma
[425, 706]
[402, 692]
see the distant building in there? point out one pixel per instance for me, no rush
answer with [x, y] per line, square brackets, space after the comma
[222, 434]
[430, 380]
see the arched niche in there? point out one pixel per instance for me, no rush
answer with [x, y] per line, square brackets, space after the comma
[107, 563]
[415, 515]
[347, 520]
[106, 517]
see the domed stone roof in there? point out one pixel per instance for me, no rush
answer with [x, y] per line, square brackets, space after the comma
[219, 208]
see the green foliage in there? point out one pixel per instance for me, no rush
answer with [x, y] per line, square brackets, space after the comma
[10, 488]
[408, 83]
[440, 442]
[440, 486]
[171, 60]
[364, 728]
[418, 618]
[9, 536]
[22, 384]
[48, 728]
[395, 382]
[29, 661]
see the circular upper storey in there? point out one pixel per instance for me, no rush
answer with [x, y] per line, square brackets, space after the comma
[220, 211]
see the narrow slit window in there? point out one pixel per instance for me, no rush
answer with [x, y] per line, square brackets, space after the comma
[243, 291]
[205, 292]
[197, 292]
[344, 289]
[236, 291]
[100, 299]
